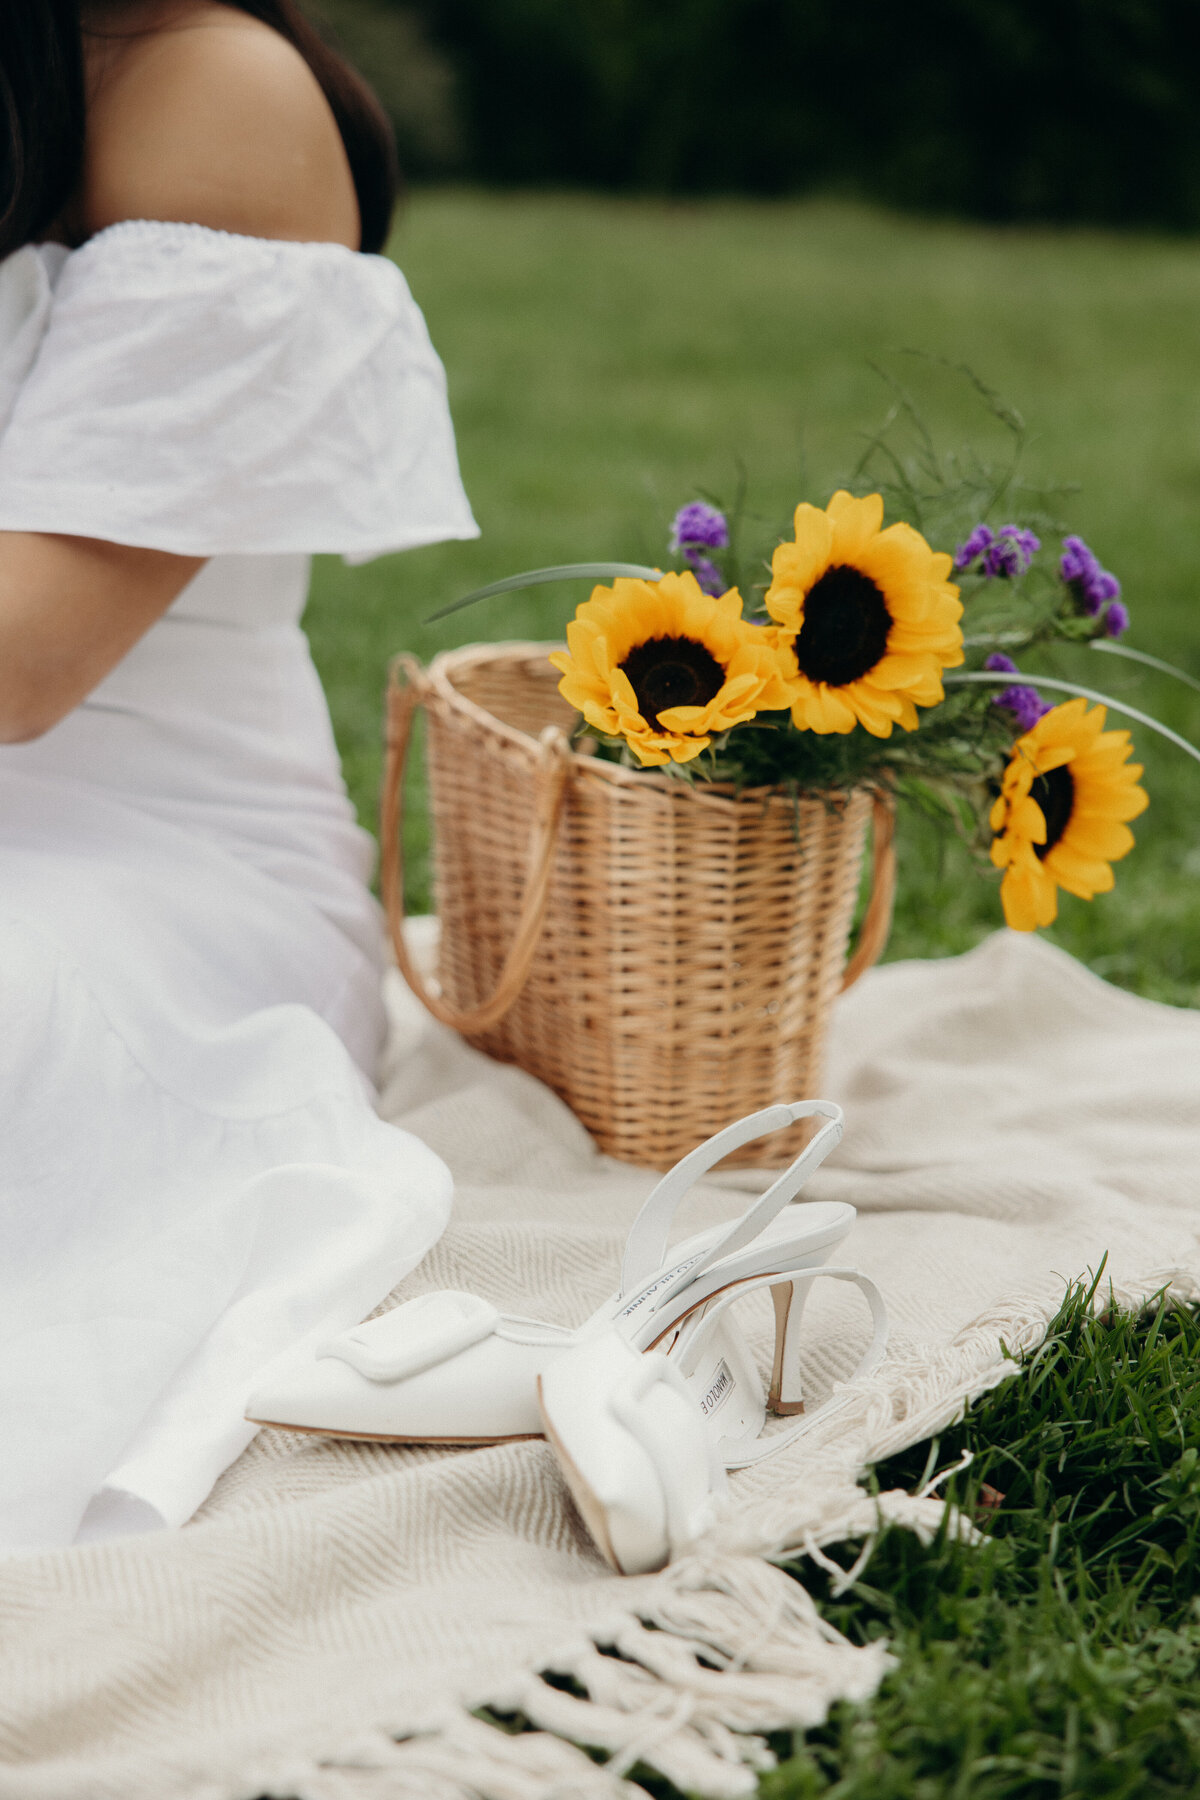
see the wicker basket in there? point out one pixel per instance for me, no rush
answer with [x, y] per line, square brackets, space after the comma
[665, 956]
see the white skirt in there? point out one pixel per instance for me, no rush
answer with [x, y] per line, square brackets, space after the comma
[192, 1175]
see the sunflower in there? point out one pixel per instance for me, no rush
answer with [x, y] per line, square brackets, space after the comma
[1060, 819]
[868, 617]
[664, 665]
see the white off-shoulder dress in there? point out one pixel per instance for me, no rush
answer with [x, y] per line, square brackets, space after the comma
[191, 1173]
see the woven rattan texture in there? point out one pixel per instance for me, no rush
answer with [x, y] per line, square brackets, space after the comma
[693, 944]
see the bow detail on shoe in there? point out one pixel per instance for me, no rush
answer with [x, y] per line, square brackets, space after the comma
[416, 1336]
[431, 1329]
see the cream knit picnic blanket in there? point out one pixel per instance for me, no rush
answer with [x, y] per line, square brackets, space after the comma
[326, 1626]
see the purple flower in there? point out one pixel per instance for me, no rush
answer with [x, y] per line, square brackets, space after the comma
[1078, 562]
[699, 526]
[707, 574]
[1011, 553]
[981, 539]
[1092, 586]
[1116, 619]
[1025, 703]
[1006, 553]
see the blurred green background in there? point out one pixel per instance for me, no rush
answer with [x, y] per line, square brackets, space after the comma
[611, 354]
[998, 109]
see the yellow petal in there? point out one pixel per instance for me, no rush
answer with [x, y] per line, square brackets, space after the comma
[1121, 803]
[1105, 761]
[928, 691]
[894, 670]
[737, 689]
[1106, 838]
[775, 694]
[580, 638]
[901, 577]
[908, 637]
[649, 752]
[1028, 897]
[830, 711]
[855, 522]
[879, 724]
[1042, 757]
[600, 718]
[1067, 724]
[624, 698]
[684, 750]
[1080, 875]
[597, 659]
[797, 565]
[1027, 820]
[577, 693]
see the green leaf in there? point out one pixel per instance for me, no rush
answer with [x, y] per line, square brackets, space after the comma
[597, 571]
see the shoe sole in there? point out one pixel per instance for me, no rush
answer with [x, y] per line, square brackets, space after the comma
[591, 1511]
[383, 1437]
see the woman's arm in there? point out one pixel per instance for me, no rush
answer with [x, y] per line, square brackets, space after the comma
[70, 609]
[214, 120]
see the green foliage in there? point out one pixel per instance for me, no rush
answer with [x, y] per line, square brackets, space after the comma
[414, 80]
[958, 745]
[1000, 109]
[1060, 1657]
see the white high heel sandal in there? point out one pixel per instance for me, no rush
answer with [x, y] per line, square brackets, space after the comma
[449, 1368]
[640, 1440]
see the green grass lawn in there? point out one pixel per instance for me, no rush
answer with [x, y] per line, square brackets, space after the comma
[607, 359]
[1057, 1661]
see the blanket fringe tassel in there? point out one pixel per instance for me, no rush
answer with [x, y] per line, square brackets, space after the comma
[723, 1648]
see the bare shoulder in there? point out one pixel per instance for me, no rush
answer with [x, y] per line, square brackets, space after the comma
[212, 118]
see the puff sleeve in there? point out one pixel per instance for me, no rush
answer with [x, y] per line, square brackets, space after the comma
[208, 394]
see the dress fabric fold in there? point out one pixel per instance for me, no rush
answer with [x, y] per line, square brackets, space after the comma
[192, 1173]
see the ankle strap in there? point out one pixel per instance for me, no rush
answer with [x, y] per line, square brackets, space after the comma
[646, 1249]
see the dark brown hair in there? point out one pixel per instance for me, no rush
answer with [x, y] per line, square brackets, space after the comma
[42, 115]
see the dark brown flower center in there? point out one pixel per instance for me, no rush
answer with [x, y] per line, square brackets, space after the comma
[1055, 794]
[672, 671]
[845, 627]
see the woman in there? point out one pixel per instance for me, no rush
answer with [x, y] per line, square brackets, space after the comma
[206, 374]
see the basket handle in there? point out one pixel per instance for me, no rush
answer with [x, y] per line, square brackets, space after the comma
[408, 688]
[877, 920]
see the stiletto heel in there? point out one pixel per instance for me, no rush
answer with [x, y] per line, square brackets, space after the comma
[786, 1396]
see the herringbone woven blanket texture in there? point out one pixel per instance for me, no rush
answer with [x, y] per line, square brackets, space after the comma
[330, 1623]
